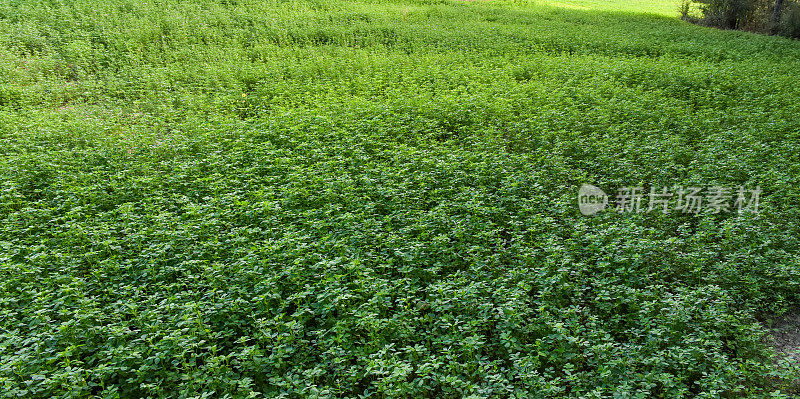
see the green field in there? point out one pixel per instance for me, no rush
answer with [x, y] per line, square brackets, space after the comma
[328, 199]
[663, 7]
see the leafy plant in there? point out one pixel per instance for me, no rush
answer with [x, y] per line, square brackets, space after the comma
[377, 199]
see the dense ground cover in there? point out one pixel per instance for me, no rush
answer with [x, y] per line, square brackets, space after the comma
[662, 7]
[241, 198]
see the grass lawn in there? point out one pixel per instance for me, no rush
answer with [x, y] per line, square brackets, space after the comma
[326, 198]
[662, 7]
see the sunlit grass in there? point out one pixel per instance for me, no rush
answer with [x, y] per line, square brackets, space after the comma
[662, 7]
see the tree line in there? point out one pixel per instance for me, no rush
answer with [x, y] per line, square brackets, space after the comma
[776, 17]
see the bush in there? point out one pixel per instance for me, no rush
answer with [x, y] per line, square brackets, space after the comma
[790, 21]
[748, 15]
[728, 14]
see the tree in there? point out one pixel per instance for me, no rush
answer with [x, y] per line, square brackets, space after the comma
[776, 16]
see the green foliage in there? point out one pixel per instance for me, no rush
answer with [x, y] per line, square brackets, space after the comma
[750, 15]
[790, 21]
[248, 198]
[729, 14]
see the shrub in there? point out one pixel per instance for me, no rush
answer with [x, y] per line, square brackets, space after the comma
[750, 15]
[728, 14]
[790, 21]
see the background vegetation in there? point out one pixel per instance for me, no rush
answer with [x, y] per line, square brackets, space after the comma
[247, 198]
[765, 16]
